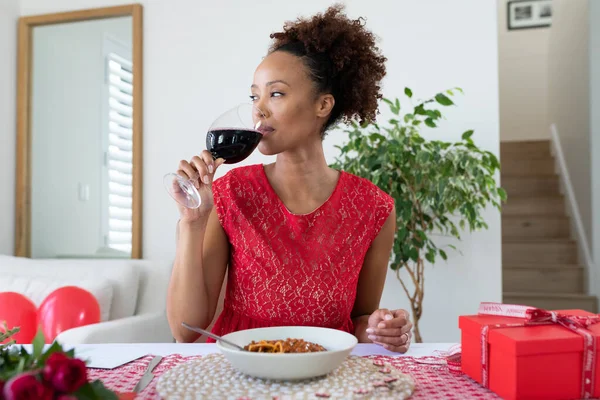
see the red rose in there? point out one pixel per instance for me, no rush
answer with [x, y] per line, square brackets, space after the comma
[64, 374]
[25, 387]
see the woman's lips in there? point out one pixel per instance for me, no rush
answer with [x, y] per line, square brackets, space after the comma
[265, 129]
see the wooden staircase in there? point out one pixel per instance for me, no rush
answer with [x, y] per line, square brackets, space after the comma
[540, 265]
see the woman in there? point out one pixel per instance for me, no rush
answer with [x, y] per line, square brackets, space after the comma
[305, 244]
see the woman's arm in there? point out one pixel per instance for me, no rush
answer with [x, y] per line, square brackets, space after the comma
[372, 277]
[200, 264]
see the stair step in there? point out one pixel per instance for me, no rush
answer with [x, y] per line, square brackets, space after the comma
[546, 205]
[543, 278]
[530, 226]
[553, 301]
[528, 167]
[524, 149]
[541, 252]
[531, 186]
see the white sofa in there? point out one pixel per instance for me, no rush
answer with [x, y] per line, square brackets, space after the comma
[131, 293]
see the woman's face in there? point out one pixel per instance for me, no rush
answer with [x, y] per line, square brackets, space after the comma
[293, 112]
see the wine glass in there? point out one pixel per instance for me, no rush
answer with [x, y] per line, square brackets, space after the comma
[233, 136]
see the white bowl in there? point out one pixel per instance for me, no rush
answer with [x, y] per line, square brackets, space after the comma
[289, 366]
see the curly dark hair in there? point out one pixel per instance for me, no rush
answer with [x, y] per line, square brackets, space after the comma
[342, 59]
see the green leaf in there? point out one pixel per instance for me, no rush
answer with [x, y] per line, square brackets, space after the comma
[38, 344]
[467, 135]
[429, 122]
[86, 392]
[402, 233]
[418, 140]
[470, 212]
[21, 365]
[441, 186]
[414, 254]
[502, 194]
[443, 254]
[433, 114]
[408, 92]
[423, 157]
[430, 257]
[408, 117]
[420, 110]
[376, 136]
[95, 391]
[443, 99]
[494, 160]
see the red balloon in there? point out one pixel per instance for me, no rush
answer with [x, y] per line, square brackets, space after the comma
[18, 311]
[65, 308]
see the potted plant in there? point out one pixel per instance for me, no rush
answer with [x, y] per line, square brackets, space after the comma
[438, 187]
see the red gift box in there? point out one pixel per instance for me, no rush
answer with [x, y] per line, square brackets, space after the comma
[522, 352]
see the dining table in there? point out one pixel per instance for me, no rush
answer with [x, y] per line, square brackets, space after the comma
[120, 366]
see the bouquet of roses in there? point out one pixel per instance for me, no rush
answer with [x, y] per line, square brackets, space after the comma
[44, 374]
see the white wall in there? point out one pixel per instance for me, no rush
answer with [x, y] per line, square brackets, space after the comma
[200, 57]
[594, 46]
[67, 127]
[9, 14]
[568, 96]
[523, 75]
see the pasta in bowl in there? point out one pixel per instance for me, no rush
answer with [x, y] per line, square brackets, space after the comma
[288, 352]
[288, 345]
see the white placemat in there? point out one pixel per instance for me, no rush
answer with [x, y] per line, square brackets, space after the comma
[213, 377]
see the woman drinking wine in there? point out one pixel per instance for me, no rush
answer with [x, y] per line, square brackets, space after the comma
[303, 244]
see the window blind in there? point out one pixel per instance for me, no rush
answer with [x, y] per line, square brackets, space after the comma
[119, 155]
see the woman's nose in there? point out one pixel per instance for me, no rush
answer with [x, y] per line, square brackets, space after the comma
[260, 112]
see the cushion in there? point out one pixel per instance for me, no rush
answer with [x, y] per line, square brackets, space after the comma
[37, 289]
[124, 276]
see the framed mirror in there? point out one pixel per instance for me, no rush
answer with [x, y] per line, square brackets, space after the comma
[79, 134]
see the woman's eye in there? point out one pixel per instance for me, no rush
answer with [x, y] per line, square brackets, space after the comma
[276, 94]
[253, 97]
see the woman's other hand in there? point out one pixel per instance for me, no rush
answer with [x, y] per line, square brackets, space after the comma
[390, 329]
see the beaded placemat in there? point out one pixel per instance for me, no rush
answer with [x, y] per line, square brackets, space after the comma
[213, 377]
[434, 380]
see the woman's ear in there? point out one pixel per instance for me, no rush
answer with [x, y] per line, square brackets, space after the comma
[325, 105]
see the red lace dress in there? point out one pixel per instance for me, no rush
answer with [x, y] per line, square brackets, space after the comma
[288, 269]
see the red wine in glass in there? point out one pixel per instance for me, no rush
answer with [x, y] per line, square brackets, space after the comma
[232, 144]
[233, 136]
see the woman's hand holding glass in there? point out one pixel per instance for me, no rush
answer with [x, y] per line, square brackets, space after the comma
[200, 172]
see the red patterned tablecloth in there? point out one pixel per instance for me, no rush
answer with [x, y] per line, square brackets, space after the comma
[434, 380]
